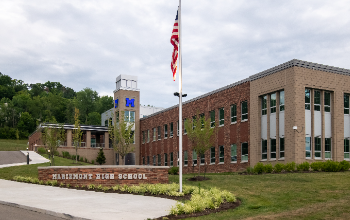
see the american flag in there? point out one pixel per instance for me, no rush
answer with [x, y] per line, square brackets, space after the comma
[174, 40]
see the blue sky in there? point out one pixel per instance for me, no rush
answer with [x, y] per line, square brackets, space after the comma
[89, 43]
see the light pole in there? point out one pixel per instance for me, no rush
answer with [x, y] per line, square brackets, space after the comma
[27, 156]
[49, 156]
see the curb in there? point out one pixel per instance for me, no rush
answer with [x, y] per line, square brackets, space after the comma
[47, 212]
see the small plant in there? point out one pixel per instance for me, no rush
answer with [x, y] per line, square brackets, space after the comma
[115, 188]
[290, 167]
[86, 161]
[82, 159]
[173, 170]
[92, 161]
[67, 185]
[57, 153]
[316, 166]
[268, 168]
[101, 159]
[41, 182]
[41, 151]
[106, 188]
[344, 165]
[259, 168]
[278, 167]
[305, 166]
[99, 187]
[77, 186]
[250, 170]
[61, 184]
[331, 166]
[91, 186]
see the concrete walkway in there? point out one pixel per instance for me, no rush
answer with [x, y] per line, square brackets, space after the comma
[80, 204]
[33, 156]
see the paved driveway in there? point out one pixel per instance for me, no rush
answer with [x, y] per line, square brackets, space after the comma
[64, 203]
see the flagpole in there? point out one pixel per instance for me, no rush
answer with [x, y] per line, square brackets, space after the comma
[180, 99]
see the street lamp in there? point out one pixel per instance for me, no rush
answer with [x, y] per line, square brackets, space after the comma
[27, 156]
[49, 156]
[178, 94]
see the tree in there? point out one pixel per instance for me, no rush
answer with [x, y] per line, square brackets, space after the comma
[101, 159]
[201, 135]
[94, 118]
[86, 103]
[52, 137]
[121, 134]
[77, 133]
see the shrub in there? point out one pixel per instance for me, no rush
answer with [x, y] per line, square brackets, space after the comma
[101, 159]
[268, 168]
[173, 170]
[305, 166]
[91, 186]
[316, 166]
[41, 150]
[106, 188]
[82, 159]
[290, 167]
[93, 162]
[278, 167]
[86, 161]
[259, 168]
[57, 153]
[331, 166]
[344, 165]
[250, 170]
[99, 187]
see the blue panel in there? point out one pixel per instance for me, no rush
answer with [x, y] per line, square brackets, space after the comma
[116, 103]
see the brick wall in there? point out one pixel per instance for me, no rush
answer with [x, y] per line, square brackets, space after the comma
[236, 133]
[97, 175]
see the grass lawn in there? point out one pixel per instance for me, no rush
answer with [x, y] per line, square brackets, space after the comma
[13, 145]
[32, 171]
[283, 196]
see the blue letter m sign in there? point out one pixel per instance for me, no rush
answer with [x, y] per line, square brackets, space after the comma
[130, 102]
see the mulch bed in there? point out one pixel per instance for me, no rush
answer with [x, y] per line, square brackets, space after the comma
[198, 178]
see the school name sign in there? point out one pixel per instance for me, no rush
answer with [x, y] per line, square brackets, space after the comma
[108, 175]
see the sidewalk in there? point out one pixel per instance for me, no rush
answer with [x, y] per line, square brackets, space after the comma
[80, 204]
[35, 159]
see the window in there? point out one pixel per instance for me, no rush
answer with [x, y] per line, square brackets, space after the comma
[171, 158]
[202, 158]
[178, 128]
[273, 103]
[264, 149]
[221, 117]
[185, 131]
[143, 160]
[328, 148]
[308, 147]
[165, 160]
[346, 149]
[143, 137]
[147, 160]
[281, 147]
[212, 118]
[165, 131]
[116, 115]
[193, 122]
[233, 113]
[307, 99]
[317, 100]
[194, 157]
[318, 148]
[272, 148]
[244, 111]
[159, 160]
[185, 158]
[171, 129]
[129, 116]
[202, 118]
[264, 105]
[327, 102]
[133, 136]
[233, 152]
[106, 123]
[154, 160]
[159, 133]
[244, 152]
[281, 101]
[147, 136]
[346, 104]
[212, 155]
[154, 134]
[222, 154]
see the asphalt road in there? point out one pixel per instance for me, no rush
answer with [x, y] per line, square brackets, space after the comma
[9, 157]
[11, 213]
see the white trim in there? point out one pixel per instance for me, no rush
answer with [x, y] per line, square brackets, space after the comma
[233, 161]
[244, 161]
[232, 123]
[244, 120]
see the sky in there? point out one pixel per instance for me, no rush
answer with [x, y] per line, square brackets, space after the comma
[89, 43]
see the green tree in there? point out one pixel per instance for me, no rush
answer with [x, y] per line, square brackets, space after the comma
[101, 159]
[52, 137]
[104, 103]
[77, 133]
[94, 118]
[26, 124]
[121, 134]
[86, 103]
[201, 135]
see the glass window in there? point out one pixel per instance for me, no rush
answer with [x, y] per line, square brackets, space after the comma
[143, 160]
[212, 155]
[281, 147]
[264, 149]
[273, 103]
[159, 160]
[221, 154]
[165, 160]
[212, 118]
[328, 148]
[129, 116]
[317, 100]
[202, 158]
[202, 118]
[154, 160]
[281, 101]
[171, 158]
[244, 110]
[154, 134]
[185, 131]
[233, 113]
[159, 133]
[147, 160]
[233, 152]
[346, 104]
[106, 123]
[346, 149]
[272, 148]
[171, 129]
[143, 137]
[264, 105]
[193, 122]
[116, 115]
[148, 136]
[318, 148]
[133, 136]
[327, 102]
[308, 147]
[165, 131]
[221, 116]
[185, 157]
[244, 152]
[307, 99]
[194, 157]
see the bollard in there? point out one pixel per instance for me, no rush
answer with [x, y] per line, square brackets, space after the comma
[27, 158]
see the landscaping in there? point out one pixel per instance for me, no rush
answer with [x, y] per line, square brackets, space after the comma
[13, 145]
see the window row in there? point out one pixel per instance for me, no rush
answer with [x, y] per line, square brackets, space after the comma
[273, 103]
[273, 147]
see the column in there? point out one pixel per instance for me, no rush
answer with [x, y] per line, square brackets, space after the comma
[69, 138]
[106, 140]
[88, 138]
